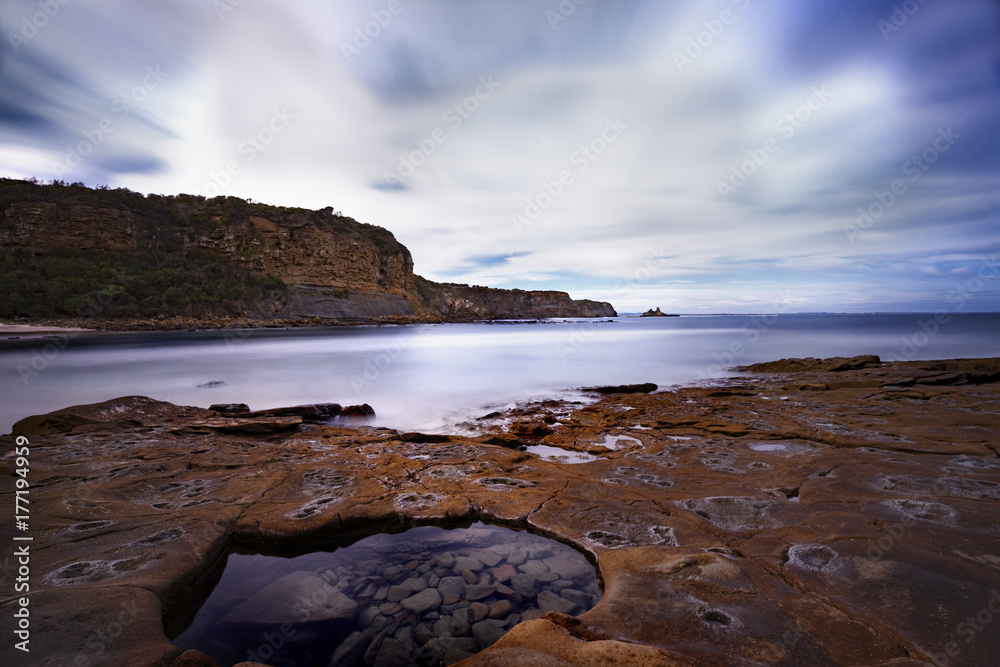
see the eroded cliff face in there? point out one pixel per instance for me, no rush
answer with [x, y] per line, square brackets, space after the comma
[46, 226]
[462, 302]
[336, 267]
[310, 248]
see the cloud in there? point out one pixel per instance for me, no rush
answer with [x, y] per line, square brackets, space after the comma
[695, 177]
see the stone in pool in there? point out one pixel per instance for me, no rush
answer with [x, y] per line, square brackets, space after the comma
[389, 599]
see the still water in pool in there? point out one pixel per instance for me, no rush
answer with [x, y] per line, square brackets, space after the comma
[427, 596]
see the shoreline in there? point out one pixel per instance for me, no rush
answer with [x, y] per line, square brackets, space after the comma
[764, 520]
[72, 325]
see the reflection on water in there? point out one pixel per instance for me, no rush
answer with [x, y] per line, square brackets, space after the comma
[432, 377]
[428, 596]
[559, 455]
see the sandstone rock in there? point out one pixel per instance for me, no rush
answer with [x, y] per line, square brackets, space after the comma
[828, 505]
[263, 425]
[313, 413]
[448, 648]
[507, 593]
[451, 586]
[193, 658]
[478, 592]
[646, 388]
[516, 557]
[363, 411]
[508, 440]
[299, 597]
[549, 601]
[422, 601]
[533, 567]
[478, 611]
[504, 573]
[579, 598]
[398, 593]
[229, 408]
[470, 577]
[830, 365]
[656, 313]
[501, 609]
[531, 430]
[524, 584]
[487, 633]
[487, 558]
[350, 652]
[424, 437]
[444, 559]
[396, 653]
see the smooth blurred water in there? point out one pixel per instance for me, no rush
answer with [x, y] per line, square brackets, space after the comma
[432, 377]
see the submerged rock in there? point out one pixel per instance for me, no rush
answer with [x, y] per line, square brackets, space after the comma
[300, 597]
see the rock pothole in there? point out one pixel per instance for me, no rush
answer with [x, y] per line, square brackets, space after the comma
[428, 596]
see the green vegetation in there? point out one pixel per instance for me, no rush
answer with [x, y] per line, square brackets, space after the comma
[83, 283]
[162, 276]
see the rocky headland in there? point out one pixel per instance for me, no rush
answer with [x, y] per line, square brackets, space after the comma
[807, 512]
[116, 259]
[657, 313]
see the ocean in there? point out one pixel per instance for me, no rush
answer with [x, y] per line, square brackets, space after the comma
[436, 378]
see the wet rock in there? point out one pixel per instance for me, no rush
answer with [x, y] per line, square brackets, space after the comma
[424, 438]
[478, 611]
[549, 601]
[398, 593]
[524, 585]
[452, 649]
[313, 413]
[422, 601]
[531, 430]
[350, 652]
[828, 505]
[501, 609]
[300, 597]
[646, 388]
[579, 598]
[487, 558]
[487, 632]
[829, 365]
[363, 411]
[478, 592]
[467, 563]
[504, 573]
[451, 586]
[264, 425]
[508, 440]
[192, 658]
[516, 557]
[444, 559]
[229, 408]
[396, 653]
[533, 567]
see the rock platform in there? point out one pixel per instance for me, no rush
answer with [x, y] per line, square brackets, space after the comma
[843, 513]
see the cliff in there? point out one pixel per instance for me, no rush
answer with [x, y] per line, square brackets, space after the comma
[462, 302]
[223, 256]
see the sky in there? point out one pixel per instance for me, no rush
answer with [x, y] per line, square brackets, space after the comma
[702, 156]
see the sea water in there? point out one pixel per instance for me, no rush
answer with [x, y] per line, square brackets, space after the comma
[440, 377]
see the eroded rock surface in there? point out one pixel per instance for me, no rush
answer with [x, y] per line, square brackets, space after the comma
[848, 516]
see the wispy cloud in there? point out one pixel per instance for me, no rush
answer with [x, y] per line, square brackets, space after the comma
[745, 110]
